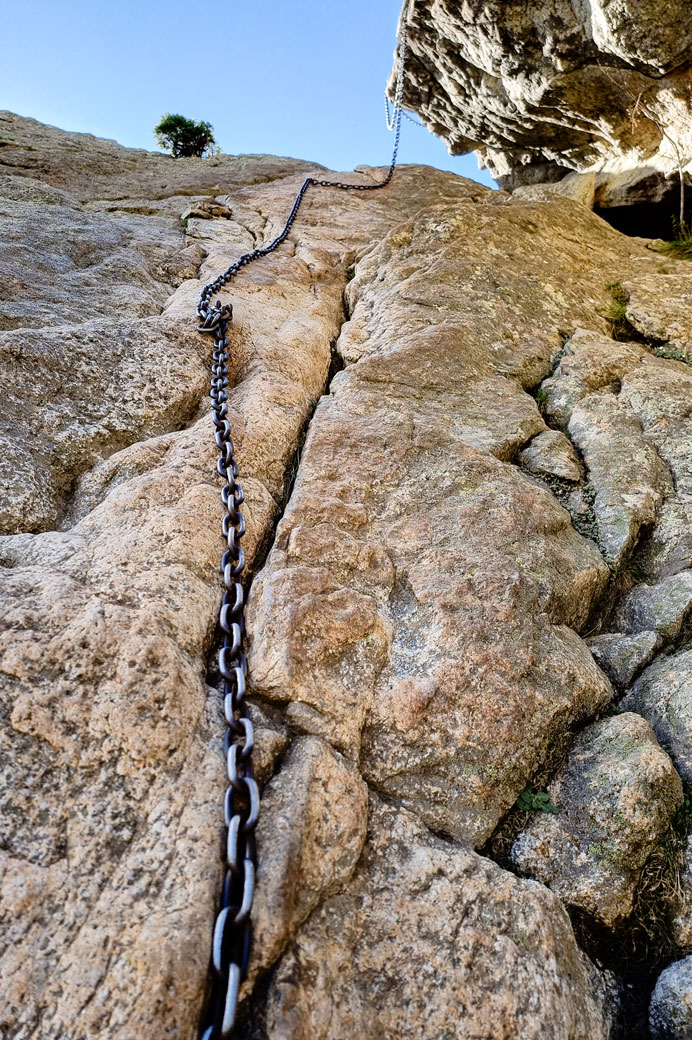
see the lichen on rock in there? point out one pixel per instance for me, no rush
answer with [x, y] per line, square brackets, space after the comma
[615, 799]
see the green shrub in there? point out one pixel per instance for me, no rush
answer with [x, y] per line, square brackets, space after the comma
[535, 801]
[680, 246]
[616, 314]
[184, 137]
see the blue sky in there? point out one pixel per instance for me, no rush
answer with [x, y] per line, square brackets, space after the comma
[303, 78]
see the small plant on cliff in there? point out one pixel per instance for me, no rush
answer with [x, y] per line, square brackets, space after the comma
[184, 137]
[535, 801]
[616, 314]
[680, 246]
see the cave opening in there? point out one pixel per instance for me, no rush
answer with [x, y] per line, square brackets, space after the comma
[645, 219]
[650, 209]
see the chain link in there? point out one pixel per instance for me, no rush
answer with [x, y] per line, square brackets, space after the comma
[232, 935]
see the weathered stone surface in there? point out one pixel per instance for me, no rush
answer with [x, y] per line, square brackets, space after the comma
[622, 656]
[662, 607]
[432, 934]
[658, 308]
[626, 471]
[91, 167]
[540, 90]
[112, 773]
[670, 1011]
[627, 409]
[83, 413]
[311, 834]
[578, 186]
[552, 454]
[591, 362]
[658, 393]
[667, 549]
[615, 796]
[663, 695]
[62, 264]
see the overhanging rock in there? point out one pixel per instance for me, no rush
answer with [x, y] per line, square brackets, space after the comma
[537, 90]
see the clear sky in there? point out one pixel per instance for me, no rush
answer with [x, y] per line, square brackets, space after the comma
[303, 78]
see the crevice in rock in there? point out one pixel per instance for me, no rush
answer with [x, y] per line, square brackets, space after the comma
[252, 1013]
[291, 474]
[251, 1022]
[499, 844]
[563, 490]
[263, 550]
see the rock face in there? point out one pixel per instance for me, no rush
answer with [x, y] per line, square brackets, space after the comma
[538, 90]
[427, 565]
[627, 410]
[682, 918]
[430, 934]
[662, 694]
[622, 656]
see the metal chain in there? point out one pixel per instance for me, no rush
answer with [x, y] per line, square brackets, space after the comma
[233, 929]
[388, 115]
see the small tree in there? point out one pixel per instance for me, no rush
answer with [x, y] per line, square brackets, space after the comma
[184, 137]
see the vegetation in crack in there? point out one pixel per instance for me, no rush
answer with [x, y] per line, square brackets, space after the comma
[533, 798]
[577, 499]
[535, 801]
[680, 245]
[622, 329]
[671, 354]
[616, 315]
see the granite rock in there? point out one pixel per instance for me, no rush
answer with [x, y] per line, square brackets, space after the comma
[670, 1010]
[418, 601]
[663, 607]
[663, 695]
[552, 454]
[429, 932]
[615, 799]
[623, 656]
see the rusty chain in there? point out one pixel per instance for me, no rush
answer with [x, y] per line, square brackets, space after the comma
[232, 934]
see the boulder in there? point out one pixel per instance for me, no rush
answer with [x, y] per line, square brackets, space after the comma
[623, 656]
[551, 454]
[663, 607]
[615, 798]
[626, 407]
[670, 1011]
[663, 695]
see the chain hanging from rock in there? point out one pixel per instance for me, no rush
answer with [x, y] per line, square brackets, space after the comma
[233, 929]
